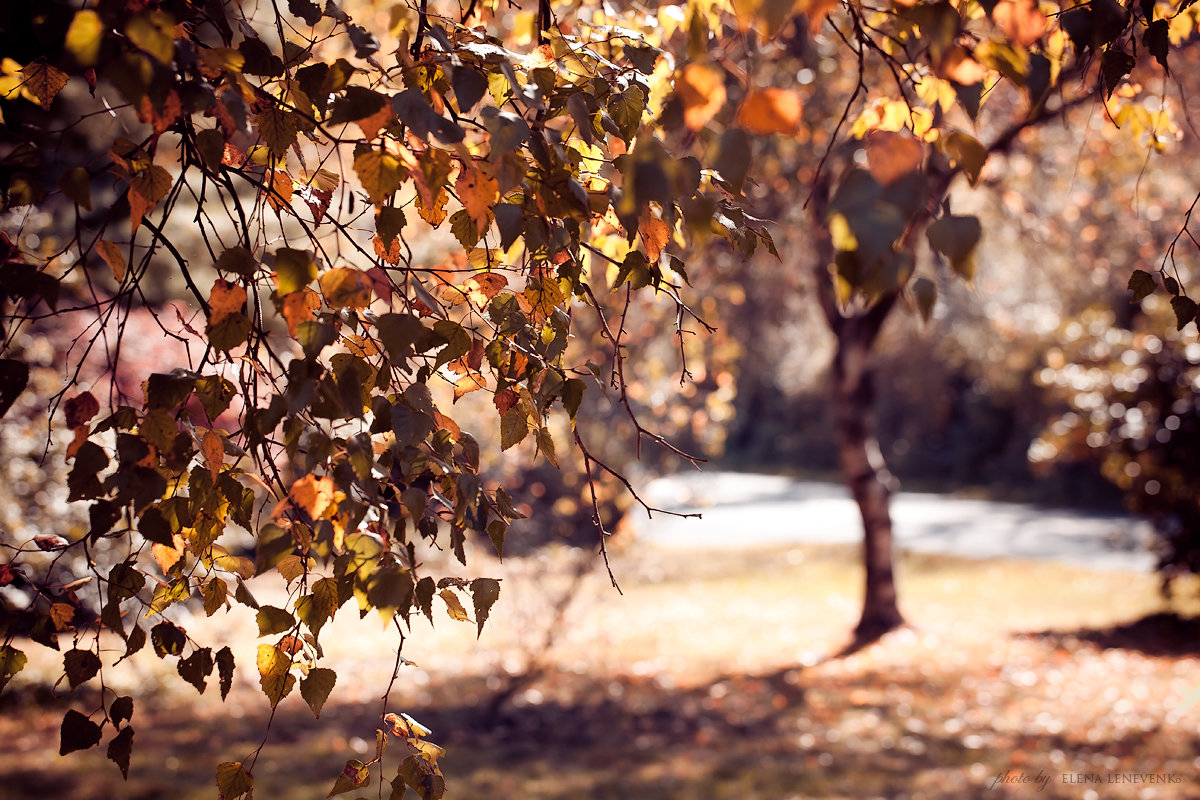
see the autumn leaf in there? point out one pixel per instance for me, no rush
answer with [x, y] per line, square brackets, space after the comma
[434, 214]
[701, 89]
[154, 32]
[84, 37]
[44, 82]
[113, 257]
[655, 236]
[1021, 20]
[146, 188]
[225, 299]
[310, 494]
[212, 447]
[233, 781]
[298, 307]
[80, 409]
[380, 174]
[481, 288]
[278, 129]
[960, 67]
[891, 155]
[168, 557]
[345, 287]
[274, 673]
[478, 193]
[766, 111]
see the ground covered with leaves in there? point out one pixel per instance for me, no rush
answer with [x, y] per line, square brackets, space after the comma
[711, 676]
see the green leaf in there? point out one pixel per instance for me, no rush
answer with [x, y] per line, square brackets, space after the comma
[77, 733]
[80, 666]
[316, 686]
[12, 661]
[233, 780]
[294, 269]
[274, 620]
[1185, 310]
[196, 668]
[120, 749]
[484, 593]
[1142, 284]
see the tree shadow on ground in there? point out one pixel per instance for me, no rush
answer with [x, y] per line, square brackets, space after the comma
[1160, 634]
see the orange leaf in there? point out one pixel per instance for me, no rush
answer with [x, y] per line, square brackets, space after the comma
[483, 287]
[226, 299]
[212, 447]
[312, 495]
[161, 118]
[389, 254]
[655, 235]
[372, 125]
[701, 89]
[435, 215]
[818, 10]
[146, 188]
[80, 409]
[1021, 20]
[113, 257]
[469, 383]
[542, 56]
[959, 67]
[298, 307]
[891, 156]
[478, 193]
[168, 557]
[505, 399]
[279, 190]
[767, 111]
[345, 287]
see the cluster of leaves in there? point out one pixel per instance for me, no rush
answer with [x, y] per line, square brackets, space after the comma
[275, 178]
[278, 171]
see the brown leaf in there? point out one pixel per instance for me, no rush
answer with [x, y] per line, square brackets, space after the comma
[80, 409]
[766, 111]
[44, 82]
[279, 190]
[113, 257]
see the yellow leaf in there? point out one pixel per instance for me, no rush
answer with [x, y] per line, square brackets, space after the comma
[212, 447]
[345, 287]
[274, 673]
[478, 193]
[380, 174]
[84, 37]
[44, 82]
[226, 299]
[483, 287]
[701, 89]
[298, 307]
[217, 60]
[113, 258]
[766, 111]
[154, 32]
[454, 606]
